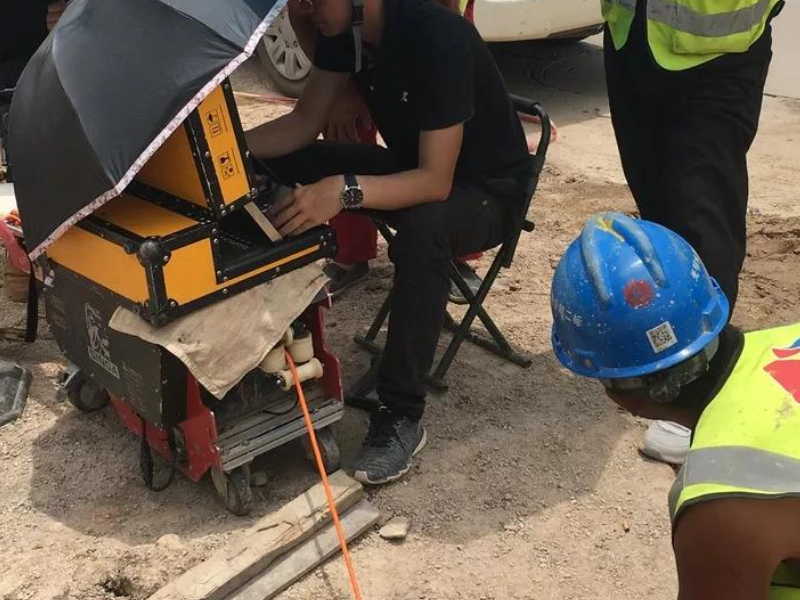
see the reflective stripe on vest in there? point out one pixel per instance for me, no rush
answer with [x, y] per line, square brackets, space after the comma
[740, 467]
[684, 18]
[687, 33]
[747, 441]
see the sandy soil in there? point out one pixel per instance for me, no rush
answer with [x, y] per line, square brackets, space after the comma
[531, 486]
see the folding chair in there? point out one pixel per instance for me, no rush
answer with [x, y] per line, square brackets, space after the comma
[496, 342]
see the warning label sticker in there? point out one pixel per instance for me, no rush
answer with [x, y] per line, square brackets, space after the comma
[214, 121]
[98, 349]
[227, 164]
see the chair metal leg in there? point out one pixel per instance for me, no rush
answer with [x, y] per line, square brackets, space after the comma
[359, 395]
[460, 333]
[368, 341]
[496, 344]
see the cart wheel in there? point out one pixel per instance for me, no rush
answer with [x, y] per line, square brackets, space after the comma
[329, 449]
[156, 472]
[234, 489]
[87, 396]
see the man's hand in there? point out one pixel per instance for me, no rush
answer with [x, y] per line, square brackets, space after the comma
[310, 205]
[54, 12]
[349, 116]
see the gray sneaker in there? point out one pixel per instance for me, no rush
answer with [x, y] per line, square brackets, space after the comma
[392, 440]
[472, 280]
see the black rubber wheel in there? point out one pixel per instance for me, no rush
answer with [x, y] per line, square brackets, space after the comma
[87, 396]
[234, 489]
[328, 447]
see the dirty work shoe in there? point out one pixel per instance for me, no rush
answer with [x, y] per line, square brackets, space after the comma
[392, 440]
[343, 277]
[470, 277]
[668, 442]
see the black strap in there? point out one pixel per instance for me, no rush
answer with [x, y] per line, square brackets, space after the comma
[32, 317]
[357, 22]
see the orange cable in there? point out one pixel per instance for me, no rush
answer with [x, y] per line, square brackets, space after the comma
[351, 572]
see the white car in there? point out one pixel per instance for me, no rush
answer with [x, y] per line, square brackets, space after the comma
[517, 20]
[497, 20]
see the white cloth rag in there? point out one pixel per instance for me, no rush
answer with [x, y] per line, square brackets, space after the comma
[223, 342]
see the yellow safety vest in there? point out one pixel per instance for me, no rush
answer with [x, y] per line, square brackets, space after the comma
[747, 441]
[687, 33]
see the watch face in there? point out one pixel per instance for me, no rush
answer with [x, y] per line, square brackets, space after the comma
[353, 197]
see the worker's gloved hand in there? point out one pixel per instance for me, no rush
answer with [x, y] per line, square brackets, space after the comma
[54, 12]
[350, 119]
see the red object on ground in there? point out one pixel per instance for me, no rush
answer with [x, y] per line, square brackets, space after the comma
[199, 432]
[16, 253]
[356, 234]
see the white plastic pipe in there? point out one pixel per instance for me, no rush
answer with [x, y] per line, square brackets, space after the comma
[302, 349]
[275, 360]
[311, 370]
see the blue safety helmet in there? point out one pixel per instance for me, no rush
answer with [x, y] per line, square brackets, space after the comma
[631, 298]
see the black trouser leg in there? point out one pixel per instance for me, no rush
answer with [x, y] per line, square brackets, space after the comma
[324, 159]
[683, 139]
[635, 125]
[428, 236]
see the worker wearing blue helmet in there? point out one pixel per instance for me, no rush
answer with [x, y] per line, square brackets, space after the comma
[634, 307]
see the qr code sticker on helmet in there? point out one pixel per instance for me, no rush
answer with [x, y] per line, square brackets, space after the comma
[662, 337]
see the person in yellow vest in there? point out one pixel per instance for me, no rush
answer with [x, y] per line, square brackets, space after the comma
[685, 82]
[634, 307]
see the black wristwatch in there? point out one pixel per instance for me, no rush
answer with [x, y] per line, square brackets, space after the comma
[352, 195]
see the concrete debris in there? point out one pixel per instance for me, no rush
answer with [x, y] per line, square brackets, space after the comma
[395, 529]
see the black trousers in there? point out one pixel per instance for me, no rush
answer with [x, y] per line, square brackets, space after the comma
[428, 237]
[683, 138]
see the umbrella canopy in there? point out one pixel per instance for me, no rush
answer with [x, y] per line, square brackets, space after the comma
[112, 81]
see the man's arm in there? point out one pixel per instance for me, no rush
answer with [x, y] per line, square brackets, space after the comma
[728, 549]
[431, 181]
[300, 127]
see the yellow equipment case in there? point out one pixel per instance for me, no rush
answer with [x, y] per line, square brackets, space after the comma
[176, 239]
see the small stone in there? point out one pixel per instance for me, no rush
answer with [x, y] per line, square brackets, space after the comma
[258, 479]
[170, 541]
[396, 529]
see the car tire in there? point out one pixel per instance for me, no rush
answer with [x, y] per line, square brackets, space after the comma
[284, 64]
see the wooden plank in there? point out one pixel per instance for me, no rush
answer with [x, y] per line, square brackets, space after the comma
[232, 566]
[263, 222]
[302, 559]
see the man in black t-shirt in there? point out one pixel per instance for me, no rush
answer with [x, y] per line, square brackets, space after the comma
[450, 180]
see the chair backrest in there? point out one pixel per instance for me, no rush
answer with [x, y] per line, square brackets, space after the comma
[530, 174]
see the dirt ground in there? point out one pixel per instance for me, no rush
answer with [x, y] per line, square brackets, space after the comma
[531, 486]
